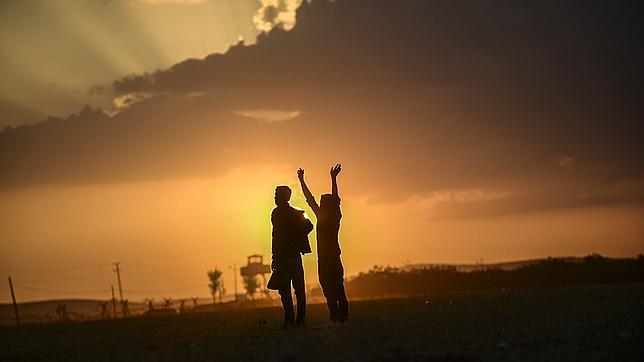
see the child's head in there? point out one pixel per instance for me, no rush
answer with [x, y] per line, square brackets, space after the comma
[329, 201]
[282, 194]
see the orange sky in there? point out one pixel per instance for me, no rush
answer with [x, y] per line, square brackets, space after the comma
[457, 143]
[167, 233]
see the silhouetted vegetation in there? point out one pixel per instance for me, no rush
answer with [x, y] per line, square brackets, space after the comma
[214, 276]
[592, 269]
[251, 284]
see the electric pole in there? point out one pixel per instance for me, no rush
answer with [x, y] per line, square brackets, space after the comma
[113, 302]
[13, 299]
[118, 278]
[234, 267]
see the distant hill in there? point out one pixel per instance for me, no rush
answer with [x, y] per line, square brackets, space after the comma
[424, 279]
[505, 265]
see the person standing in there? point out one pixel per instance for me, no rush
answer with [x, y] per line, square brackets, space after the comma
[289, 242]
[330, 269]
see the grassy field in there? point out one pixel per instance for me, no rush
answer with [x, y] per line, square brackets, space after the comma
[603, 322]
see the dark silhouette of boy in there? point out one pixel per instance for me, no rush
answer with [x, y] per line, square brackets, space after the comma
[330, 270]
[290, 239]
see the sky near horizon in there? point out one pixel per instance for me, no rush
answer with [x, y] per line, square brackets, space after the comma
[467, 131]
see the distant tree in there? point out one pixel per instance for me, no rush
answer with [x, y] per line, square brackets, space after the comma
[61, 311]
[215, 282]
[251, 284]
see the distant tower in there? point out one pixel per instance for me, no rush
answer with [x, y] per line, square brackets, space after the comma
[255, 266]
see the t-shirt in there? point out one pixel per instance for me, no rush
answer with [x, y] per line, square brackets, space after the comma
[327, 228]
[290, 232]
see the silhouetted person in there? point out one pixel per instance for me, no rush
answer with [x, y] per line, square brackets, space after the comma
[330, 270]
[290, 239]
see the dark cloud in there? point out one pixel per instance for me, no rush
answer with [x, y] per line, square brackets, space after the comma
[419, 95]
[580, 50]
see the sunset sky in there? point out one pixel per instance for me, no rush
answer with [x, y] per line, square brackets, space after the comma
[153, 133]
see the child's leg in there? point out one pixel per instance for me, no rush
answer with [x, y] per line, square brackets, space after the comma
[343, 303]
[329, 290]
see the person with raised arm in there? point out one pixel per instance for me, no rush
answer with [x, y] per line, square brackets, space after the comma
[330, 269]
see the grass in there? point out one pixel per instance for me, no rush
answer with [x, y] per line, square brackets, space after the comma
[603, 322]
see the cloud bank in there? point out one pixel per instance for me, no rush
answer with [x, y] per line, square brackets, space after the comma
[536, 103]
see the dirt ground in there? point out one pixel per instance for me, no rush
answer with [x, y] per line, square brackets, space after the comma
[603, 322]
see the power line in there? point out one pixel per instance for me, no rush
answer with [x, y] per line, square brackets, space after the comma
[90, 276]
[55, 269]
[98, 266]
[94, 272]
[167, 267]
[58, 291]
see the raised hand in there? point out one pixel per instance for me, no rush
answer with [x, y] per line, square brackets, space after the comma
[300, 173]
[335, 170]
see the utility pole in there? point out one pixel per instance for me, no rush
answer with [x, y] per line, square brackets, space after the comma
[113, 302]
[118, 278]
[13, 299]
[235, 276]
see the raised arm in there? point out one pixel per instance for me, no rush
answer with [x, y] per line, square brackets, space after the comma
[335, 170]
[307, 193]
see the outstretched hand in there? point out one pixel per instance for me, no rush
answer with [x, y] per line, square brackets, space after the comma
[335, 170]
[300, 174]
